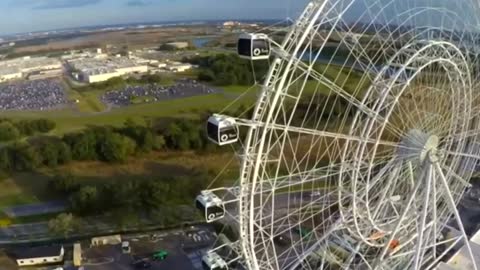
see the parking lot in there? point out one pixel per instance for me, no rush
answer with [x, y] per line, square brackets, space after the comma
[133, 94]
[32, 95]
[185, 249]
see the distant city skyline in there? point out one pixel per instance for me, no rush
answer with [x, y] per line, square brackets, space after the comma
[23, 16]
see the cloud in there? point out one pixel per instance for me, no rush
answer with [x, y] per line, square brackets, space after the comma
[138, 3]
[55, 4]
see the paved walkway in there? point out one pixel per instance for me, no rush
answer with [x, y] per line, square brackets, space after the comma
[36, 209]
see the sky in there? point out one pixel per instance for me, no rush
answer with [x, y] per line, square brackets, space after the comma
[20, 16]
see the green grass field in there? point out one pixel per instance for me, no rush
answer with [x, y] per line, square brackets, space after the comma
[69, 120]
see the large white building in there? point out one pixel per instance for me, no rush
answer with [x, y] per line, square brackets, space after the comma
[94, 70]
[39, 256]
[178, 67]
[8, 74]
[106, 240]
[20, 67]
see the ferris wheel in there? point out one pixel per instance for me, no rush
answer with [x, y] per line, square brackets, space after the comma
[361, 143]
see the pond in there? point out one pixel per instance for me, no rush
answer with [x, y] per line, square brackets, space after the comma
[202, 41]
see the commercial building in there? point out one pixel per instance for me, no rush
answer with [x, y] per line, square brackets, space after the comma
[178, 67]
[46, 74]
[106, 240]
[22, 67]
[177, 45]
[8, 74]
[39, 256]
[94, 70]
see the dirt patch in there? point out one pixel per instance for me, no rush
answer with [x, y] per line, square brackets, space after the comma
[127, 37]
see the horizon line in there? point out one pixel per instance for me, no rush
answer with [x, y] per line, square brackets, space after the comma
[136, 23]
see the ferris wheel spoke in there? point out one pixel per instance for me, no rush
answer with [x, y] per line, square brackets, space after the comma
[465, 133]
[452, 173]
[386, 190]
[407, 210]
[333, 135]
[459, 154]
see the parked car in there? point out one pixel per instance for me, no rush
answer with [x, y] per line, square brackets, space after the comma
[160, 255]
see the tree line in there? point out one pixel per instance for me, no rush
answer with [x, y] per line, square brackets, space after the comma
[102, 143]
[229, 69]
[12, 130]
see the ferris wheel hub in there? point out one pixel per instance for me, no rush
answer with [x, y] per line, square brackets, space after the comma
[418, 145]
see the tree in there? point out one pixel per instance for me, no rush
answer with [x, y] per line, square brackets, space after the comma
[183, 135]
[64, 183]
[124, 196]
[43, 125]
[86, 200]
[116, 148]
[30, 127]
[154, 194]
[5, 158]
[206, 75]
[48, 154]
[64, 153]
[25, 127]
[51, 150]
[143, 136]
[63, 224]
[172, 133]
[24, 157]
[158, 143]
[224, 69]
[8, 132]
[82, 145]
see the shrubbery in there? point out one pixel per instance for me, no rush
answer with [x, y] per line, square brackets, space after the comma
[134, 195]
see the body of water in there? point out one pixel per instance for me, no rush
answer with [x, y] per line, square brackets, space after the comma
[202, 41]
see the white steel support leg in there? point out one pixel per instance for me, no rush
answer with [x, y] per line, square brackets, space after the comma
[451, 202]
[419, 252]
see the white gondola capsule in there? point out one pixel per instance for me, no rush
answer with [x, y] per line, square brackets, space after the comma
[222, 130]
[254, 46]
[213, 261]
[211, 205]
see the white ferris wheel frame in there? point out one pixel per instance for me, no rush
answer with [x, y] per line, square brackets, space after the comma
[272, 92]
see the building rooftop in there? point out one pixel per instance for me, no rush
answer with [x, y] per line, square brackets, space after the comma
[95, 66]
[461, 260]
[37, 252]
[28, 64]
